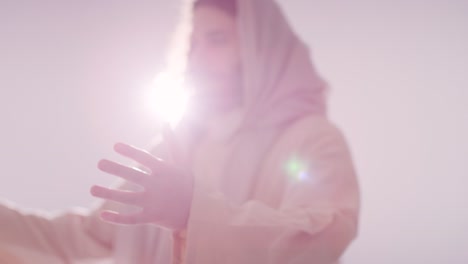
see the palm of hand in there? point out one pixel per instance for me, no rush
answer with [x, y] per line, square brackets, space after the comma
[167, 189]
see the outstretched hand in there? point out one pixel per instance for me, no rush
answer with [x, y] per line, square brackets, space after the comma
[167, 189]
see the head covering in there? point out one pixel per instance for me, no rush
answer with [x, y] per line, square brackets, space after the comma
[279, 81]
[280, 85]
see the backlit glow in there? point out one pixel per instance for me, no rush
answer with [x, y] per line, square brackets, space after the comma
[167, 98]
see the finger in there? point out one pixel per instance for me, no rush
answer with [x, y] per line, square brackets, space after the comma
[130, 174]
[125, 197]
[139, 155]
[130, 219]
[174, 148]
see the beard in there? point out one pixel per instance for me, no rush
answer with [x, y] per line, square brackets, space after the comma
[213, 92]
[216, 99]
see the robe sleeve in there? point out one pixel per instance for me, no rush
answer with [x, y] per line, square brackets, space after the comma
[74, 234]
[313, 221]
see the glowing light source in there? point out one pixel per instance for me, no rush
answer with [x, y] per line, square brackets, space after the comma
[167, 98]
[296, 169]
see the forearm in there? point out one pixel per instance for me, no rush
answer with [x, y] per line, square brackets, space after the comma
[323, 247]
[256, 233]
[66, 235]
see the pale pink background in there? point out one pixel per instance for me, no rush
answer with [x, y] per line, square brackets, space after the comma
[72, 78]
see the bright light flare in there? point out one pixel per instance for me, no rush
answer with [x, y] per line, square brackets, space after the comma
[167, 98]
[297, 169]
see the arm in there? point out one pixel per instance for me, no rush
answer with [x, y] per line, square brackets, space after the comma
[73, 234]
[314, 222]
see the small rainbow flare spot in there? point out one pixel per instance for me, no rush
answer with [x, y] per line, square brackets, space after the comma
[297, 169]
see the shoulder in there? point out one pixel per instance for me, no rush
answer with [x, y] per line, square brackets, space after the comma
[312, 136]
[313, 140]
[312, 143]
[310, 131]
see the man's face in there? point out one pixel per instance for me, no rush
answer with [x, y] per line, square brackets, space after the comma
[214, 57]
